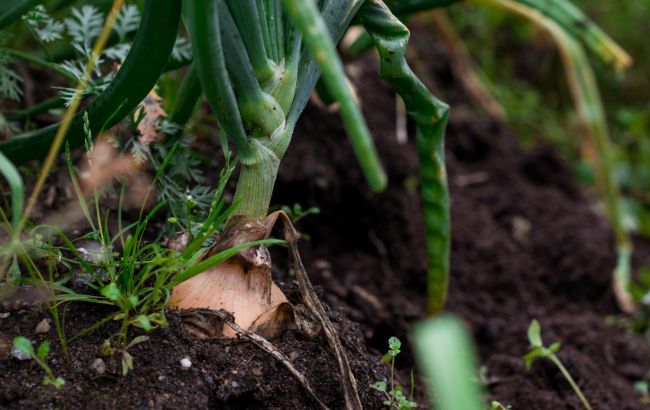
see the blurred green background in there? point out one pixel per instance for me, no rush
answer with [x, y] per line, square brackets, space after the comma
[523, 70]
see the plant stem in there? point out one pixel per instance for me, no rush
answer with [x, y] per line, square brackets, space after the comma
[572, 382]
[255, 184]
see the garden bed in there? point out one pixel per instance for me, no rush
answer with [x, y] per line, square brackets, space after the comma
[527, 243]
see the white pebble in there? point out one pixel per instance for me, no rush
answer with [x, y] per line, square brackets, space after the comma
[20, 355]
[186, 363]
[98, 366]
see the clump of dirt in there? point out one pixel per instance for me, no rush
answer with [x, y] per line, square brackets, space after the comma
[222, 375]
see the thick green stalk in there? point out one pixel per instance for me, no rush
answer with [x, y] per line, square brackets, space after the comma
[264, 27]
[255, 183]
[257, 107]
[188, 95]
[213, 41]
[269, 16]
[430, 116]
[203, 24]
[308, 21]
[246, 15]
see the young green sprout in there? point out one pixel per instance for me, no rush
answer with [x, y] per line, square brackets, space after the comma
[539, 351]
[395, 398]
[39, 355]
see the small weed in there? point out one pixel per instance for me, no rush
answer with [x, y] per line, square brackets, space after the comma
[539, 351]
[127, 359]
[496, 405]
[25, 346]
[395, 398]
[296, 212]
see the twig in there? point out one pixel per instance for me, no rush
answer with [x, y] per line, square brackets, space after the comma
[349, 383]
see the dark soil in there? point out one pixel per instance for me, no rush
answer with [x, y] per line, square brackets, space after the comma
[527, 243]
[222, 376]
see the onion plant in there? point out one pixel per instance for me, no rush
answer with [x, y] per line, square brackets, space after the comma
[257, 62]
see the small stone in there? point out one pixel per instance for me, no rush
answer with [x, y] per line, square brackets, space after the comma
[186, 363]
[4, 315]
[18, 354]
[521, 228]
[42, 327]
[98, 366]
[234, 384]
[161, 378]
[256, 371]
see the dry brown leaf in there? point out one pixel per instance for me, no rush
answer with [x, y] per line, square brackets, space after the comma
[149, 126]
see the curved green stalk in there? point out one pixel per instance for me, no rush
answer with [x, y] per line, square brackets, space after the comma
[574, 22]
[17, 188]
[308, 21]
[430, 116]
[135, 79]
[12, 10]
[188, 95]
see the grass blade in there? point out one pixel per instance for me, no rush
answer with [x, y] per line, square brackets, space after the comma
[218, 258]
[430, 116]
